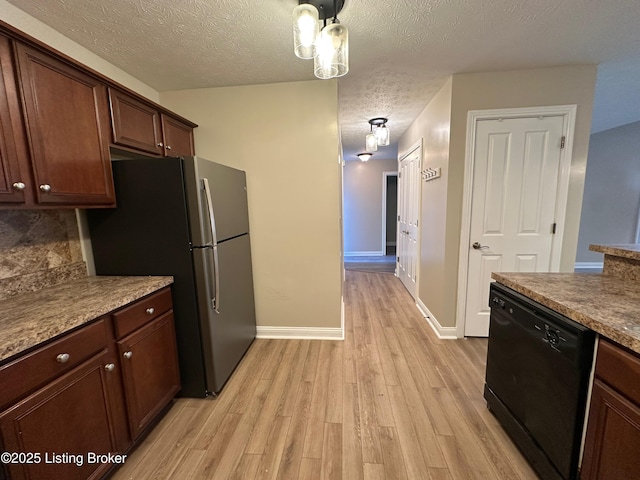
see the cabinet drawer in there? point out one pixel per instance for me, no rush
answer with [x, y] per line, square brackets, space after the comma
[620, 369]
[137, 314]
[25, 374]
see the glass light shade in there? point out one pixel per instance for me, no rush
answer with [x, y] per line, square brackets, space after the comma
[323, 62]
[332, 52]
[382, 135]
[370, 143]
[305, 30]
[365, 156]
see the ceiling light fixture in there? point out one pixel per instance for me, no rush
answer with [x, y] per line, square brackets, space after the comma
[364, 156]
[329, 46]
[381, 132]
[378, 137]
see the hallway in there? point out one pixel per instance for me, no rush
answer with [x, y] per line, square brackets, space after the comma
[390, 401]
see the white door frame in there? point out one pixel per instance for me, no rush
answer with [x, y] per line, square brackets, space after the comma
[410, 150]
[566, 154]
[386, 175]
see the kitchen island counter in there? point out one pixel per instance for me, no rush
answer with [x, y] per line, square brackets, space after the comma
[609, 305]
[29, 319]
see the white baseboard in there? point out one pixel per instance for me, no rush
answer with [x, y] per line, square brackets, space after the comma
[302, 333]
[364, 254]
[582, 266]
[444, 333]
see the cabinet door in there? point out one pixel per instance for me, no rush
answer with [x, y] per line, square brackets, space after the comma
[135, 124]
[14, 176]
[178, 137]
[71, 415]
[613, 436]
[150, 370]
[67, 118]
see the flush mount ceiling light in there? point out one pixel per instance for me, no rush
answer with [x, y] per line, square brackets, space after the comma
[364, 156]
[329, 46]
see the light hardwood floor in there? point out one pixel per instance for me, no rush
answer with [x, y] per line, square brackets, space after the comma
[391, 401]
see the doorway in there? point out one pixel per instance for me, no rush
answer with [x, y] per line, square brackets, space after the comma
[370, 202]
[390, 208]
[516, 186]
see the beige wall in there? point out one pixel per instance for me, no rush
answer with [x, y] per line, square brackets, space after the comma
[611, 190]
[285, 136]
[432, 125]
[363, 210]
[31, 26]
[483, 91]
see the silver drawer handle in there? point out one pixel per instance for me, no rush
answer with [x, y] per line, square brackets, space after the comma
[128, 354]
[159, 145]
[168, 147]
[109, 367]
[46, 188]
[62, 358]
[151, 310]
[19, 185]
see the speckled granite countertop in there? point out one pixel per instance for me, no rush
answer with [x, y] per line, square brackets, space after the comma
[605, 304]
[631, 251]
[31, 318]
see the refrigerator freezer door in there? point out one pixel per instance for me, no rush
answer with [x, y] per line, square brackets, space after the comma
[228, 332]
[228, 188]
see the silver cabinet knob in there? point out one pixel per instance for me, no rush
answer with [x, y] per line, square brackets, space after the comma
[151, 310]
[62, 358]
[160, 145]
[128, 354]
[19, 186]
[168, 147]
[109, 367]
[46, 188]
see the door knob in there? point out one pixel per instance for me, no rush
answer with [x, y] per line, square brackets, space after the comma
[478, 246]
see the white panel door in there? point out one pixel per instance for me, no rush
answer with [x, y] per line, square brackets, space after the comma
[515, 183]
[408, 211]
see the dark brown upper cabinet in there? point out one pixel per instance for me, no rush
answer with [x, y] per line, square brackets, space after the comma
[67, 124]
[141, 127]
[58, 122]
[177, 137]
[15, 179]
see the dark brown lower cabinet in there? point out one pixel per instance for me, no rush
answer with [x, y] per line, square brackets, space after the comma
[93, 391]
[150, 371]
[57, 428]
[612, 444]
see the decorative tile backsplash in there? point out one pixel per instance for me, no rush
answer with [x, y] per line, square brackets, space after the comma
[38, 249]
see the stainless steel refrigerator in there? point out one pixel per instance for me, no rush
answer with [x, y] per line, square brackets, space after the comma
[186, 217]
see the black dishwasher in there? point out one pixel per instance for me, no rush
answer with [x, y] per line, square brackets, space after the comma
[538, 366]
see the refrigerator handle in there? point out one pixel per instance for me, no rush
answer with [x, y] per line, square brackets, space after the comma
[215, 301]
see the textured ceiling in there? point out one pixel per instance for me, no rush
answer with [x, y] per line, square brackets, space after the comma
[401, 51]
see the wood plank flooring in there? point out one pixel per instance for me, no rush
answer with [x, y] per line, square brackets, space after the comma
[391, 401]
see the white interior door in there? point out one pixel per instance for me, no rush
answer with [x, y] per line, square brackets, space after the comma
[408, 211]
[513, 205]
